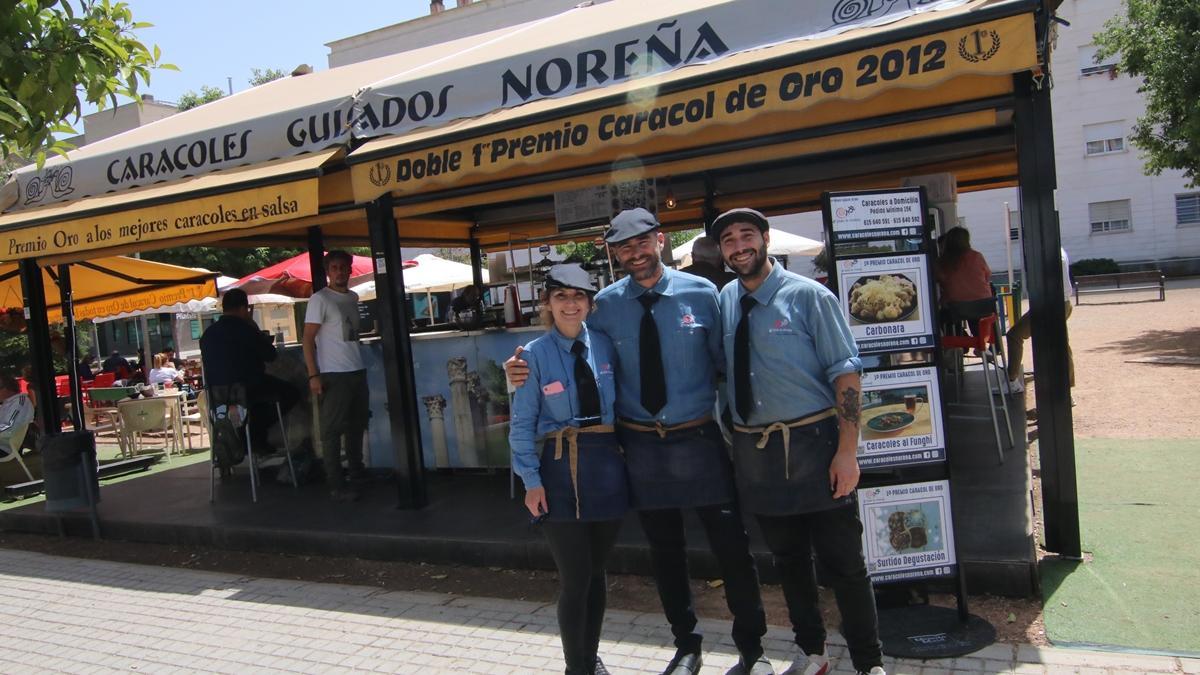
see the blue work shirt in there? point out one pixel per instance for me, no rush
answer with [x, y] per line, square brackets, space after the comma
[549, 400]
[800, 343]
[688, 320]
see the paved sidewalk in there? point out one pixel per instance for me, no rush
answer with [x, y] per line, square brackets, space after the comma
[92, 616]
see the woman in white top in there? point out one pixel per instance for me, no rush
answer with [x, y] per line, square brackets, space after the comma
[164, 371]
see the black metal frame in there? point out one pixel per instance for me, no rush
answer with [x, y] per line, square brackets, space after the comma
[38, 331]
[1043, 279]
[392, 321]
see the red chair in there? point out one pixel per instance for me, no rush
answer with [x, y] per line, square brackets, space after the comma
[62, 385]
[23, 385]
[104, 380]
[984, 346]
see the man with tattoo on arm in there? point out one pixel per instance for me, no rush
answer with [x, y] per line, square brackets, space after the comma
[793, 383]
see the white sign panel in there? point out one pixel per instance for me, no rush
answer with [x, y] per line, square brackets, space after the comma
[908, 532]
[600, 204]
[866, 217]
[887, 302]
[586, 48]
[901, 418]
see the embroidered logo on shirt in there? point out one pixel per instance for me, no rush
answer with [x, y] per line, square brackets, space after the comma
[687, 321]
[606, 369]
[782, 327]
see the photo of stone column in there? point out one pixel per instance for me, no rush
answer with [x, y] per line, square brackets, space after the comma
[460, 410]
[435, 409]
[479, 398]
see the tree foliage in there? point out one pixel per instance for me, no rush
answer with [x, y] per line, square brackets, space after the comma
[192, 99]
[54, 55]
[233, 262]
[1158, 40]
[207, 94]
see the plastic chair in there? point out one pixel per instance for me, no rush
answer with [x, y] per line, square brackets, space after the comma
[984, 344]
[104, 380]
[18, 435]
[143, 416]
[196, 412]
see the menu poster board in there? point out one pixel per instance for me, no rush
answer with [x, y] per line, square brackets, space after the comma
[908, 531]
[901, 418]
[887, 301]
[876, 221]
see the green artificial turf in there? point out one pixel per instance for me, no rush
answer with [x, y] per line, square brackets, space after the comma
[1139, 503]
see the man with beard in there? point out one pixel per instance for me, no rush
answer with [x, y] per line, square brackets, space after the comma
[794, 389]
[664, 326]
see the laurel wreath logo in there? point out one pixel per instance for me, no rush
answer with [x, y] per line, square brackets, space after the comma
[380, 175]
[980, 36]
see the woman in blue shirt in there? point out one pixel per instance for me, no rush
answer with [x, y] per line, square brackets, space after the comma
[566, 453]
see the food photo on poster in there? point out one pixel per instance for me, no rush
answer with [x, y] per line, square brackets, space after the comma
[907, 531]
[887, 302]
[901, 418]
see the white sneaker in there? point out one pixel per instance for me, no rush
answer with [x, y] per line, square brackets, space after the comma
[805, 664]
[877, 670]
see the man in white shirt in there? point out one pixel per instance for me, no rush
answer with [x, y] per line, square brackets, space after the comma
[1020, 331]
[16, 412]
[336, 374]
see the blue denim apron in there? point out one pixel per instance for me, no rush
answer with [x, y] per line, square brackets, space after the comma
[776, 480]
[678, 469]
[599, 489]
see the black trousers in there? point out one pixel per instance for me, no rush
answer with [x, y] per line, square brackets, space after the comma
[580, 551]
[262, 395]
[728, 541]
[836, 537]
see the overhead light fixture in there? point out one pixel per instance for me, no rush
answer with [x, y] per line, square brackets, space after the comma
[670, 201]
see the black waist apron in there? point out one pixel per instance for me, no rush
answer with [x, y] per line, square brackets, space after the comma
[784, 473]
[680, 468]
[584, 476]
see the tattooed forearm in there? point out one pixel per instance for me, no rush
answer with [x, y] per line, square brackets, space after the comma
[849, 406]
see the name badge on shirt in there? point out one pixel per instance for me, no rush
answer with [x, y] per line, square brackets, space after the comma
[554, 387]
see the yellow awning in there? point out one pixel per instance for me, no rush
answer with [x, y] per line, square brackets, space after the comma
[107, 286]
[162, 216]
[920, 64]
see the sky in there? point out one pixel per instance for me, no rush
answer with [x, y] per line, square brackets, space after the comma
[213, 40]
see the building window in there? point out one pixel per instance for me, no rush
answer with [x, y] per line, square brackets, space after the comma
[194, 324]
[1187, 209]
[1110, 217]
[1014, 225]
[1105, 138]
[1089, 66]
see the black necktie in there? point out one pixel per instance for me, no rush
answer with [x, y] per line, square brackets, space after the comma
[585, 384]
[743, 392]
[654, 383]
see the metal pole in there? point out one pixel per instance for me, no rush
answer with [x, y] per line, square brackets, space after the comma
[392, 321]
[316, 258]
[1008, 251]
[67, 305]
[1043, 280]
[38, 331]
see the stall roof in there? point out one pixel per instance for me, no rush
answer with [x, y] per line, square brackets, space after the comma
[108, 286]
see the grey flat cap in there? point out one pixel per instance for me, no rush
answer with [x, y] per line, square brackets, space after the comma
[569, 275]
[740, 215]
[629, 224]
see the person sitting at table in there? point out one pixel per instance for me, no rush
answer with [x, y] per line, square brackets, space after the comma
[235, 351]
[164, 372]
[117, 365]
[565, 451]
[965, 280]
[16, 415]
[85, 367]
[169, 354]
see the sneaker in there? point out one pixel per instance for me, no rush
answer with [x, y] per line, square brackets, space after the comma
[877, 670]
[1014, 387]
[809, 664]
[748, 664]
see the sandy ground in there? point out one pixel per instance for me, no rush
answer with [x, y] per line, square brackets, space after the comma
[1115, 398]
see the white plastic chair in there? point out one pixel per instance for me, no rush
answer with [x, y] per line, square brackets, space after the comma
[18, 435]
[140, 417]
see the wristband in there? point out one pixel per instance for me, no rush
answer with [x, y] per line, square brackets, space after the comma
[312, 376]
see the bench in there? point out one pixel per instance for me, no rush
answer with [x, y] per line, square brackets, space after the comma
[1121, 281]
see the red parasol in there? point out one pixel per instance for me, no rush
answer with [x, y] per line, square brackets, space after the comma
[293, 277]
